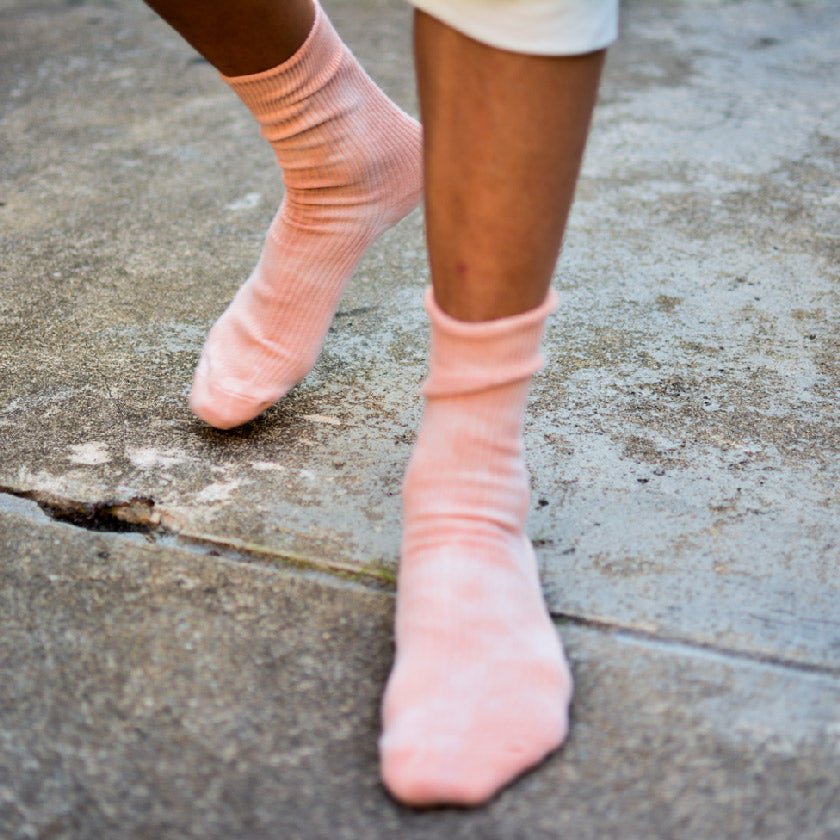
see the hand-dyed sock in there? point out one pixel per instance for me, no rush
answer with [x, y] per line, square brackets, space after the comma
[351, 163]
[480, 689]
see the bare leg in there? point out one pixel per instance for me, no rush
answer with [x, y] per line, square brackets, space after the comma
[504, 134]
[480, 689]
[240, 37]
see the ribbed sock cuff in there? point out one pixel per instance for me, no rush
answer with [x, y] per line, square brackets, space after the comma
[468, 357]
[315, 62]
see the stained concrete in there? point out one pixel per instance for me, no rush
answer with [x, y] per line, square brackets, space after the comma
[170, 695]
[683, 442]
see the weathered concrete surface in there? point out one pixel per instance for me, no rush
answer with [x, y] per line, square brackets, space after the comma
[697, 352]
[156, 694]
[125, 230]
[685, 438]
[684, 443]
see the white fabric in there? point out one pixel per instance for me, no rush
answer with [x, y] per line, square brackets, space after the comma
[539, 27]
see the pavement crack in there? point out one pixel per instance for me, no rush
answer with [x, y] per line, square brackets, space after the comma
[135, 514]
[139, 515]
[696, 647]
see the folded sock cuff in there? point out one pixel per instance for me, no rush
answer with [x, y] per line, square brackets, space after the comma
[468, 357]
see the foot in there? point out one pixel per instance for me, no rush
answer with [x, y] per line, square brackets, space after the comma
[352, 169]
[480, 688]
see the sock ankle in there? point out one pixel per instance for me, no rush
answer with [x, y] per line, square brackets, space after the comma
[479, 691]
[351, 167]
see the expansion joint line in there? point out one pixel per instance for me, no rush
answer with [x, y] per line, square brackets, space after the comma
[140, 514]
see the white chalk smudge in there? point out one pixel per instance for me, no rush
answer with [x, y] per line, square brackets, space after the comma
[322, 418]
[89, 454]
[218, 491]
[248, 202]
[145, 459]
[265, 466]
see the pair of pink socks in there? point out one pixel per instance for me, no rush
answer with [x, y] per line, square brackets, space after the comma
[480, 689]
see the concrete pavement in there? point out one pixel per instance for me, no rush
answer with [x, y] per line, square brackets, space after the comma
[215, 672]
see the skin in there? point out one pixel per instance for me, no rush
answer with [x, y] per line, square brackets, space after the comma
[241, 37]
[504, 135]
[504, 138]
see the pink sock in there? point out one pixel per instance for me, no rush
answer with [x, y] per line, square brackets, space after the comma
[480, 689]
[352, 169]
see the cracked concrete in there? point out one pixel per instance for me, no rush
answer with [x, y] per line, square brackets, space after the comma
[683, 441]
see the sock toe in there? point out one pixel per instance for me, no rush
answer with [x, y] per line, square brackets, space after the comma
[223, 408]
[425, 772]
